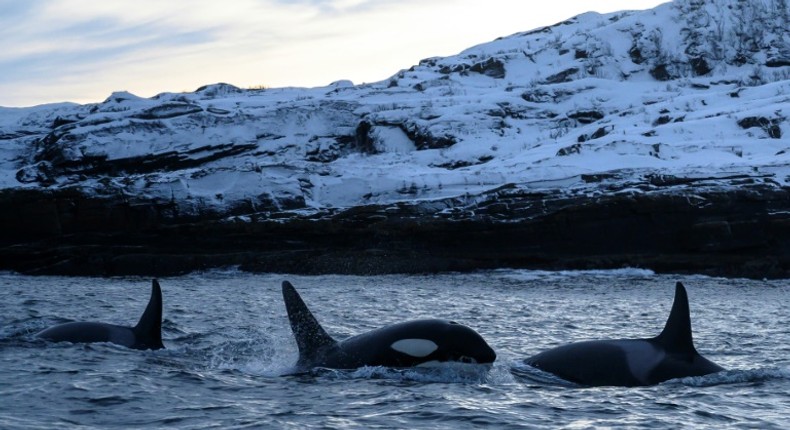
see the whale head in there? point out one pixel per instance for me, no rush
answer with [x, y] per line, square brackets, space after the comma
[442, 341]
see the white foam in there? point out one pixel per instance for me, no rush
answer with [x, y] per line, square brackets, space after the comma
[531, 275]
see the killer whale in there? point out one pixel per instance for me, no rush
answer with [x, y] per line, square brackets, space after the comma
[631, 362]
[147, 334]
[407, 344]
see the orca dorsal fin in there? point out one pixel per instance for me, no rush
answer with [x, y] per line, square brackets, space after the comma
[676, 336]
[148, 331]
[310, 336]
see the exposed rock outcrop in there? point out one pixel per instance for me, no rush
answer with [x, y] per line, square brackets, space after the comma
[716, 230]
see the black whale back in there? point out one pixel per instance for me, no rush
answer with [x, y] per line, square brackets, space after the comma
[631, 362]
[147, 334]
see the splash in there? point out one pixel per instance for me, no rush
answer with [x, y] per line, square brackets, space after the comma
[440, 373]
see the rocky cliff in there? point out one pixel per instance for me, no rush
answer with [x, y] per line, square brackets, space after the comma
[651, 138]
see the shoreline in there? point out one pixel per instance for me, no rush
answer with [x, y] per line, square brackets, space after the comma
[719, 231]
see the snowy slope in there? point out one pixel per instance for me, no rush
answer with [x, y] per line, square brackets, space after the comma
[688, 89]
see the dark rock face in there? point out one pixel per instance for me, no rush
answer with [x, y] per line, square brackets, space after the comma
[563, 76]
[661, 73]
[586, 117]
[770, 126]
[725, 232]
[491, 67]
[699, 66]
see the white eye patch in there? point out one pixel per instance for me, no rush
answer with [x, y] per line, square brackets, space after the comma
[415, 347]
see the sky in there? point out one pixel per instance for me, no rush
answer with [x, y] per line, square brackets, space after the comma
[83, 50]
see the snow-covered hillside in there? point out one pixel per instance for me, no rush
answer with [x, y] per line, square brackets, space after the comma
[690, 89]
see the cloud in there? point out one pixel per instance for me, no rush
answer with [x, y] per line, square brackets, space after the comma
[82, 50]
[45, 52]
[94, 44]
[120, 44]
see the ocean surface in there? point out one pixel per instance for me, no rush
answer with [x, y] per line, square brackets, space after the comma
[229, 351]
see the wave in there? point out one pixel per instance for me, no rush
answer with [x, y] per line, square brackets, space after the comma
[729, 377]
[527, 374]
[439, 373]
[532, 275]
[257, 356]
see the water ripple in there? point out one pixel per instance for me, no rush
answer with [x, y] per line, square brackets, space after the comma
[229, 349]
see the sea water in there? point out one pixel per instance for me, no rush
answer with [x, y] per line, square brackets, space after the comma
[230, 353]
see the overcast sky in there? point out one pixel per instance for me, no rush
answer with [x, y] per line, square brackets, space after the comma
[83, 50]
